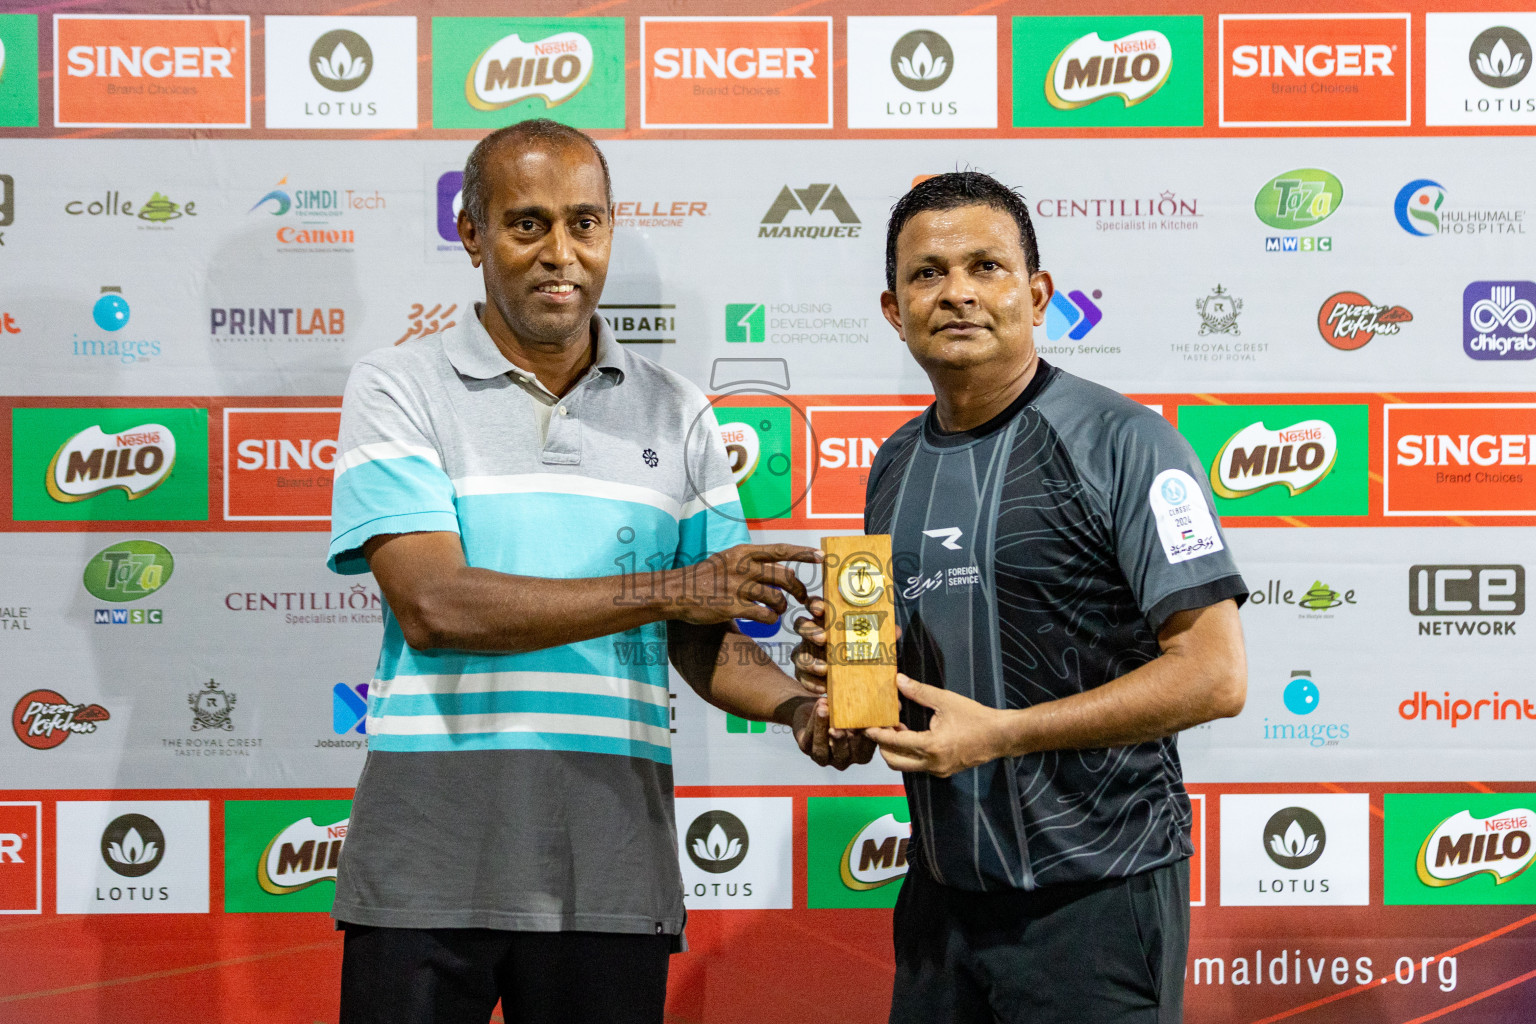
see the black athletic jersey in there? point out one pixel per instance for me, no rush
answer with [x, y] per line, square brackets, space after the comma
[1035, 557]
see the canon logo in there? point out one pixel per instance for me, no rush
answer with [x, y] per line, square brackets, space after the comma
[154, 61]
[282, 453]
[1321, 61]
[1466, 449]
[740, 62]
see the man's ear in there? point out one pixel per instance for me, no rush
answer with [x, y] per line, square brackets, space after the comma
[469, 235]
[892, 313]
[1041, 288]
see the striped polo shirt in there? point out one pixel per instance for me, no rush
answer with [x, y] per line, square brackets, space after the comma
[529, 791]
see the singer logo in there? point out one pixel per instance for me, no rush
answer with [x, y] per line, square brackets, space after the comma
[846, 439]
[21, 867]
[736, 72]
[1460, 459]
[278, 463]
[136, 461]
[151, 72]
[1296, 70]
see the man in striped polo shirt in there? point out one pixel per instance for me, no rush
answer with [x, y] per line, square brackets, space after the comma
[536, 504]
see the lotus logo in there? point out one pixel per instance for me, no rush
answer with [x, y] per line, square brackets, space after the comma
[1463, 846]
[717, 842]
[877, 854]
[1256, 457]
[922, 60]
[1417, 207]
[136, 460]
[1299, 198]
[1090, 69]
[552, 69]
[132, 845]
[1500, 57]
[341, 60]
[1294, 838]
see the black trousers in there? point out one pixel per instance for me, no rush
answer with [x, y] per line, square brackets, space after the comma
[456, 975]
[1096, 953]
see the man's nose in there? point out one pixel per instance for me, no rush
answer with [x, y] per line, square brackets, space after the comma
[958, 290]
[557, 250]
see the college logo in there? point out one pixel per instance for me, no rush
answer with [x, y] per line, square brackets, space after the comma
[18, 73]
[938, 72]
[1459, 459]
[1498, 317]
[1298, 70]
[157, 210]
[42, 719]
[278, 463]
[128, 571]
[211, 708]
[1312, 462]
[1096, 71]
[150, 72]
[279, 853]
[1295, 849]
[491, 71]
[818, 202]
[857, 848]
[1475, 69]
[1348, 320]
[1316, 602]
[21, 866]
[736, 853]
[340, 73]
[846, 438]
[1448, 849]
[731, 72]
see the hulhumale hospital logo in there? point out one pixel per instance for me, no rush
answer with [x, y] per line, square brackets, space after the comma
[1417, 207]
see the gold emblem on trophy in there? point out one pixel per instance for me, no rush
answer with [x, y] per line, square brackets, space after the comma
[861, 633]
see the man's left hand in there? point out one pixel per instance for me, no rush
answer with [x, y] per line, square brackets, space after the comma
[961, 734]
[824, 744]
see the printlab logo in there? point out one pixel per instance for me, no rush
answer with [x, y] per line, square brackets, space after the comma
[1218, 312]
[1294, 838]
[922, 60]
[1348, 320]
[1498, 320]
[717, 842]
[133, 845]
[341, 60]
[43, 719]
[1500, 57]
[211, 708]
[821, 202]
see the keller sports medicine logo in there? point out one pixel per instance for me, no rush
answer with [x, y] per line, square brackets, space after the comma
[1293, 849]
[1097, 71]
[857, 849]
[487, 72]
[1499, 320]
[21, 863]
[1348, 320]
[1467, 459]
[1299, 70]
[144, 71]
[922, 72]
[1478, 68]
[820, 203]
[1449, 849]
[846, 438]
[43, 719]
[736, 72]
[18, 72]
[279, 853]
[278, 463]
[340, 73]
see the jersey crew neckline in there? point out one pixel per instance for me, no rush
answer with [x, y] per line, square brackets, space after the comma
[938, 437]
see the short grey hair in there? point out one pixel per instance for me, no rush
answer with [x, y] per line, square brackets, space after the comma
[540, 131]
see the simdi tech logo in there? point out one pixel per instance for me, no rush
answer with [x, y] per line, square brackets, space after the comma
[1478, 69]
[278, 463]
[1315, 70]
[1459, 459]
[736, 72]
[340, 73]
[856, 848]
[18, 71]
[1282, 460]
[489, 72]
[145, 71]
[278, 854]
[1455, 849]
[1074, 72]
[922, 73]
[109, 464]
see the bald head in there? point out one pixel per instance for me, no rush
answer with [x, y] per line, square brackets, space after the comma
[539, 133]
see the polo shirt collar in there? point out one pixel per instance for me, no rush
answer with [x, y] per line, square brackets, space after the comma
[473, 354]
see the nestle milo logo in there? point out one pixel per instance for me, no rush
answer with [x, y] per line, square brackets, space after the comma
[1089, 68]
[552, 69]
[136, 460]
[128, 570]
[1256, 457]
[877, 854]
[1298, 199]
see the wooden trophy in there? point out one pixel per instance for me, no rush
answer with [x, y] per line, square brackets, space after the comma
[861, 632]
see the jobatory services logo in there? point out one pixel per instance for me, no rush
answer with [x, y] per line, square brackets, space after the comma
[21, 862]
[1079, 72]
[1466, 600]
[736, 72]
[736, 853]
[1296, 201]
[1349, 320]
[43, 719]
[1498, 318]
[1478, 68]
[823, 204]
[921, 73]
[1458, 850]
[340, 73]
[109, 464]
[1295, 849]
[145, 71]
[844, 439]
[489, 72]
[1466, 459]
[110, 313]
[349, 709]
[1315, 70]
[1285, 460]
[1071, 315]
[18, 71]
[856, 849]
[1421, 210]
[278, 463]
[278, 854]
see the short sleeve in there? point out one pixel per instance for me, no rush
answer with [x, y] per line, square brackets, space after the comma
[389, 473]
[711, 519]
[1168, 541]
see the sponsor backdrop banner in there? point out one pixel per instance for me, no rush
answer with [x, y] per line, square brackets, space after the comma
[1300, 237]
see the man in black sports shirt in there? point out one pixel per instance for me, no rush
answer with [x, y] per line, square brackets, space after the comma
[1067, 604]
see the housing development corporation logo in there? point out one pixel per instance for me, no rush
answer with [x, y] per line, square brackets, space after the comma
[1450, 849]
[43, 719]
[819, 203]
[1467, 459]
[1499, 320]
[487, 72]
[150, 72]
[736, 72]
[1096, 71]
[1348, 320]
[1282, 459]
[329, 72]
[1299, 70]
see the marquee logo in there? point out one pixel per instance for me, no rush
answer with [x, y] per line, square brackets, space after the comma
[135, 461]
[1460, 459]
[1464, 846]
[1298, 70]
[822, 202]
[151, 72]
[731, 72]
[552, 69]
[301, 855]
[877, 854]
[487, 71]
[1091, 69]
[1348, 320]
[1297, 457]
[1498, 320]
[43, 719]
[1298, 199]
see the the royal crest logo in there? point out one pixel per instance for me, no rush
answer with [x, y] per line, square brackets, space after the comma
[1463, 846]
[1091, 69]
[877, 854]
[301, 855]
[1348, 320]
[1297, 457]
[136, 460]
[211, 708]
[42, 719]
[1218, 312]
[552, 69]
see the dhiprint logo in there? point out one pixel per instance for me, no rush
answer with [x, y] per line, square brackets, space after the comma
[341, 60]
[1072, 315]
[552, 69]
[1092, 69]
[1294, 838]
[1500, 57]
[1499, 317]
[133, 845]
[1417, 207]
[1348, 320]
[717, 841]
[922, 60]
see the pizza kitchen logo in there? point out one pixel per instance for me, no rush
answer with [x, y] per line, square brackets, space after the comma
[1348, 320]
[91, 462]
[1091, 69]
[43, 719]
[1297, 457]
